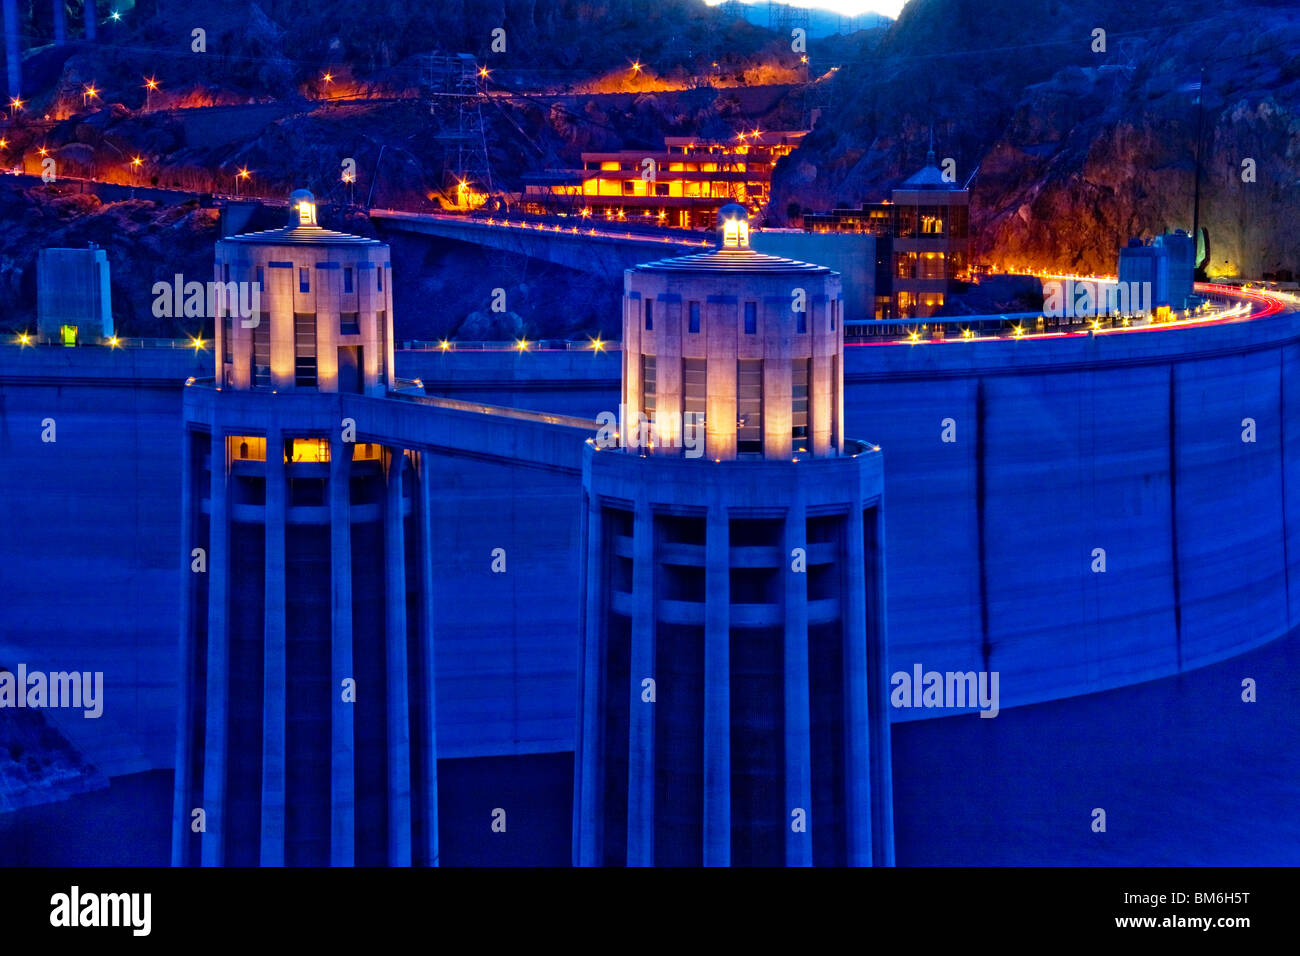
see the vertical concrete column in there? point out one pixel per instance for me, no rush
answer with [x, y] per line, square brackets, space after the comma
[717, 686]
[589, 773]
[280, 334]
[275, 671]
[428, 672]
[328, 288]
[798, 719]
[634, 343]
[641, 716]
[857, 717]
[241, 329]
[183, 783]
[777, 347]
[878, 688]
[720, 374]
[399, 754]
[218, 691]
[673, 314]
[343, 788]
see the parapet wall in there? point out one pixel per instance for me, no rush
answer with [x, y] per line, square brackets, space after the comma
[1065, 451]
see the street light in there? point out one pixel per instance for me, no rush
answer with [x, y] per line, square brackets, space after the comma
[15, 104]
[150, 85]
[242, 174]
[88, 93]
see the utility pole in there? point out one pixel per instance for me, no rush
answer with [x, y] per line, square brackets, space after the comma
[1198, 263]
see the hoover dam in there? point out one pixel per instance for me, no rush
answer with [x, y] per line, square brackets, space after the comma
[1076, 512]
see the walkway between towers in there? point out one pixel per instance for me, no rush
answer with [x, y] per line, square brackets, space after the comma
[601, 248]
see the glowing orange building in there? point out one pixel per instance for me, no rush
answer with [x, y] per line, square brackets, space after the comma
[682, 186]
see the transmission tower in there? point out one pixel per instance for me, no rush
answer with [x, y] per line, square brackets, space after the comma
[782, 18]
[456, 88]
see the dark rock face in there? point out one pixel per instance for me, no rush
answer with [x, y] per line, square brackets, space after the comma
[1074, 152]
[146, 242]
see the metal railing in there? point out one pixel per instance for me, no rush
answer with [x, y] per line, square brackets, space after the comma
[519, 345]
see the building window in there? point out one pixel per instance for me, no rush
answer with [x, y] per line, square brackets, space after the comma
[227, 337]
[801, 320]
[349, 323]
[307, 449]
[751, 318]
[800, 374]
[225, 272]
[304, 280]
[381, 324]
[261, 352]
[347, 279]
[246, 447]
[695, 316]
[379, 277]
[835, 308]
[931, 265]
[648, 386]
[749, 406]
[694, 392]
[649, 315]
[261, 278]
[304, 348]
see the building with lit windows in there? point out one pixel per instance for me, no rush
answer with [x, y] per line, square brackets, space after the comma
[733, 689]
[692, 179]
[922, 241]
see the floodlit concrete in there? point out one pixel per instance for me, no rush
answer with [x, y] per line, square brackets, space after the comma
[1076, 448]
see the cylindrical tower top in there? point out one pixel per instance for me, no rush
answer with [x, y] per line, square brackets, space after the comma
[732, 353]
[304, 307]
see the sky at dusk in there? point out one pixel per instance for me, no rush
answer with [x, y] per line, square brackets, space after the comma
[889, 8]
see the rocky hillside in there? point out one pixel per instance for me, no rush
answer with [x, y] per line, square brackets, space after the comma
[1074, 151]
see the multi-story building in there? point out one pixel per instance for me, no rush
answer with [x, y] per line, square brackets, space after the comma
[734, 694]
[922, 241]
[682, 186]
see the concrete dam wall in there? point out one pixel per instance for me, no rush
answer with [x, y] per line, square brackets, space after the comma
[1131, 443]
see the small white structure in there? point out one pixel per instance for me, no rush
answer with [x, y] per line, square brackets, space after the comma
[73, 301]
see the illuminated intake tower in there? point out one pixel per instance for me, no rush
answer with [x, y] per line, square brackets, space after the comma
[733, 687]
[307, 700]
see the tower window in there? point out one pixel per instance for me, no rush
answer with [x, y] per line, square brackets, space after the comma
[749, 406]
[347, 279]
[648, 385]
[304, 340]
[695, 317]
[649, 315]
[349, 323]
[799, 378]
[379, 277]
[694, 392]
[261, 352]
[751, 318]
[261, 278]
[304, 280]
[801, 321]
